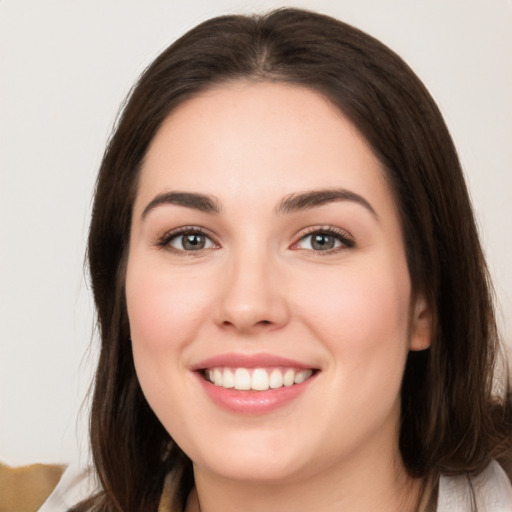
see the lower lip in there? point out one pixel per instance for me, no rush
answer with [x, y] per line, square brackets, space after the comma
[253, 402]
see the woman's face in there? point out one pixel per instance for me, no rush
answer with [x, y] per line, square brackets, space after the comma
[266, 256]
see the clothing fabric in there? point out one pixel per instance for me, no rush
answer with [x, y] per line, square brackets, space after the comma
[490, 491]
[25, 488]
[75, 485]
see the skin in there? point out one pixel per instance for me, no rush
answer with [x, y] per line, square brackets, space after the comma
[260, 286]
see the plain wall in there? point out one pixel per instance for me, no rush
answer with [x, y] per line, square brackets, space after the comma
[65, 68]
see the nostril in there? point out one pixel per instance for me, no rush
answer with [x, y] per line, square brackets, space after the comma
[227, 323]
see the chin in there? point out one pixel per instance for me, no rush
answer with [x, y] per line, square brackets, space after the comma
[256, 469]
[253, 459]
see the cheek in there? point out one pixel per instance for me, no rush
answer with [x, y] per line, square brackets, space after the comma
[363, 317]
[163, 307]
[165, 312]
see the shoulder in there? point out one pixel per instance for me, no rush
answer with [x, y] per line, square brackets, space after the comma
[75, 484]
[27, 487]
[43, 487]
[490, 491]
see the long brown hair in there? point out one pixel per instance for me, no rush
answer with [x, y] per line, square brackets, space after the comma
[450, 423]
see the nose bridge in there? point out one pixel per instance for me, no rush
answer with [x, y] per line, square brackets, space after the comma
[252, 297]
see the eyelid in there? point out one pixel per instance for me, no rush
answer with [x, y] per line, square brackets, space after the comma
[164, 240]
[346, 239]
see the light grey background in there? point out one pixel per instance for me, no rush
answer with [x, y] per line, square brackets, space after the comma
[65, 67]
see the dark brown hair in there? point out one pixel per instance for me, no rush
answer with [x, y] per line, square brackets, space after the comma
[451, 423]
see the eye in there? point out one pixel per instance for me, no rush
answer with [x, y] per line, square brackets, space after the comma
[324, 240]
[191, 242]
[187, 240]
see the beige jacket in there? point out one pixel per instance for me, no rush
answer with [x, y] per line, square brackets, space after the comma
[26, 488]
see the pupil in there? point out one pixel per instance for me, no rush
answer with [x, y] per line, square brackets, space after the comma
[323, 242]
[193, 242]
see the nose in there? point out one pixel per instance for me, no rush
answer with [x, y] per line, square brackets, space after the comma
[252, 296]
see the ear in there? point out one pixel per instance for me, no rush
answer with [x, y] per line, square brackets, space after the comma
[421, 325]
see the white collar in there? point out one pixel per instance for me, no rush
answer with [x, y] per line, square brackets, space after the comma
[491, 489]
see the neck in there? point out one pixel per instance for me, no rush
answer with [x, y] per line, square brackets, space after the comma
[383, 486]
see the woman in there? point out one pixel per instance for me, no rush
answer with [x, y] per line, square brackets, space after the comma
[294, 306]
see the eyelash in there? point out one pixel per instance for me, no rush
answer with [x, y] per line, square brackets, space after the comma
[340, 235]
[165, 241]
[346, 241]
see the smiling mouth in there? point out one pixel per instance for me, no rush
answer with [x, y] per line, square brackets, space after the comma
[256, 379]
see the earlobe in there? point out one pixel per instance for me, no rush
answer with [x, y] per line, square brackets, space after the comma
[421, 325]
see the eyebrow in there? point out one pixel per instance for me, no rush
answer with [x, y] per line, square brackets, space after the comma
[290, 204]
[316, 198]
[201, 202]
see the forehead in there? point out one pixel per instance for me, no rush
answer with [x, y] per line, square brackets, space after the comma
[241, 138]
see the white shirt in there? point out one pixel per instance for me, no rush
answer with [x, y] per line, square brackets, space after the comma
[492, 491]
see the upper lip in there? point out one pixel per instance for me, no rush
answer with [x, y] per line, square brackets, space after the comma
[262, 360]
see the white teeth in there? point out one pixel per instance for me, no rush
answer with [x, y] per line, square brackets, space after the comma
[217, 377]
[242, 379]
[228, 380]
[276, 379]
[289, 377]
[259, 379]
[302, 376]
